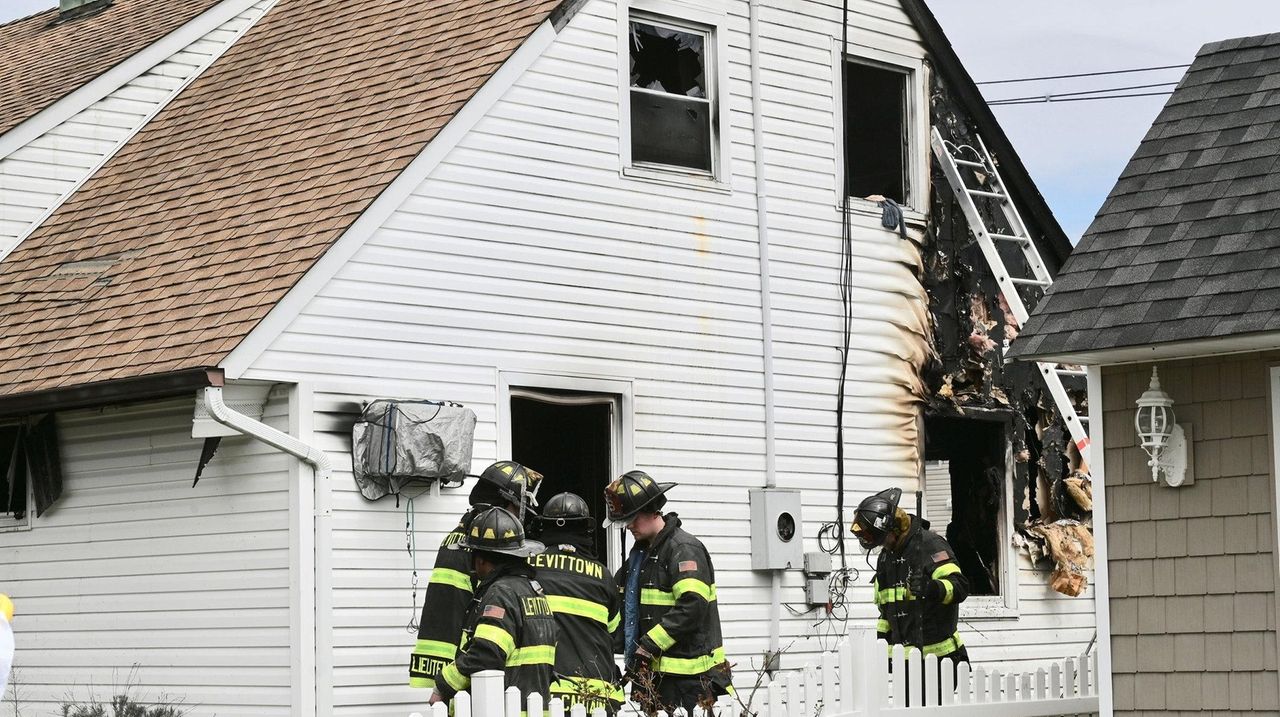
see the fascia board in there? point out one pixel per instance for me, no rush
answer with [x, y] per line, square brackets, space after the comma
[318, 276]
[116, 77]
[1198, 348]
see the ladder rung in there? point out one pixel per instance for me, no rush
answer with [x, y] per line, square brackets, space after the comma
[1082, 419]
[1029, 282]
[1010, 237]
[1070, 372]
[970, 163]
[984, 193]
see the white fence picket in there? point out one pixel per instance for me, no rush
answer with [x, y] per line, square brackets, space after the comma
[578, 710]
[964, 678]
[555, 708]
[1069, 678]
[775, 699]
[829, 683]
[463, 706]
[846, 669]
[931, 694]
[794, 703]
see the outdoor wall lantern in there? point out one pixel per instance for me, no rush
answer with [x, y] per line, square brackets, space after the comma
[1160, 435]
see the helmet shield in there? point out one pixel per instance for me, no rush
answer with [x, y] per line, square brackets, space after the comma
[495, 530]
[513, 483]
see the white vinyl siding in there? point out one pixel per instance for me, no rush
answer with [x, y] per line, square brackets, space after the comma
[528, 251]
[37, 178]
[134, 566]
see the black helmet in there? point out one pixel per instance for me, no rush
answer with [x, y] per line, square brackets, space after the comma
[874, 518]
[564, 509]
[632, 493]
[496, 530]
[510, 482]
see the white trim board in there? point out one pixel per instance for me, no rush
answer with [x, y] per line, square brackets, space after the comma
[116, 77]
[318, 276]
[1198, 348]
[1273, 397]
[1101, 575]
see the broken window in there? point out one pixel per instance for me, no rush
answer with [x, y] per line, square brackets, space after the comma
[13, 478]
[876, 142]
[966, 471]
[672, 111]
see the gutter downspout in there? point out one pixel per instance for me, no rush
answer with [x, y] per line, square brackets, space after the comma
[766, 307]
[279, 440]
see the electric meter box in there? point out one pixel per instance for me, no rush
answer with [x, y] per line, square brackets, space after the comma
[777, 536]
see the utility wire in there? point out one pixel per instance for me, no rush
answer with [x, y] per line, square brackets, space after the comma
[1041, 100]
[1053, 97]
[1082, 74]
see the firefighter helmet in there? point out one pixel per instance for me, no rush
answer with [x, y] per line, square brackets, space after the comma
[566, 509]
[875, 517]
[496, 530]
[632, 493]
[510, 482]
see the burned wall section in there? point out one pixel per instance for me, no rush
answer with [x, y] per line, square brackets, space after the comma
[966, 373]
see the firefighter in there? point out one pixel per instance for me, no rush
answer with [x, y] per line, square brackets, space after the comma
[917, 578]
[585, 601]
[509, 625]
[670, 633]
[449, 590]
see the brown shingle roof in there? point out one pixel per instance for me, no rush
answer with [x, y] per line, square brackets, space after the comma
[42, 61]
[220, 204]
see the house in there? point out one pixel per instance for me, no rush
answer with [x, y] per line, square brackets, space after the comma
[1180, 272]
[616, 226]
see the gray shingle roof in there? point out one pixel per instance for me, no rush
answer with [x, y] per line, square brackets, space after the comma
[1187, 246]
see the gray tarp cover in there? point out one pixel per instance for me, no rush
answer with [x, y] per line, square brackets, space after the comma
[397, 442]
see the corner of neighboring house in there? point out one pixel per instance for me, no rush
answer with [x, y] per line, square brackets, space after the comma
[53, 152]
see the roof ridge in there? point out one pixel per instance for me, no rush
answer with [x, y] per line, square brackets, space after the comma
[1238, 43]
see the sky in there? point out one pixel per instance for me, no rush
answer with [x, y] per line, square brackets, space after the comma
[1074, 150]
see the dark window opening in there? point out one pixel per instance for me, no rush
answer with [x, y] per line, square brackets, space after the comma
[875, 132]
[671, 110]
[966, 460]
[567, 436]
[13, 475]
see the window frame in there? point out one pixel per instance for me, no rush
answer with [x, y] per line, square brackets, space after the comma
[916, 124]
[684, 17]
[9, 524]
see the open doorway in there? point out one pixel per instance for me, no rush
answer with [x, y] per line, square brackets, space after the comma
[569, 437]
[966, 471]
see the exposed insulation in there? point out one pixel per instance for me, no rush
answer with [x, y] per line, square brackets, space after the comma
[970, 327]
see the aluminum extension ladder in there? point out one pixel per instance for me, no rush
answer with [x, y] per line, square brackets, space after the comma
[989, 187]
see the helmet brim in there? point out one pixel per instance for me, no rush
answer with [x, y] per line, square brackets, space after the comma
[625, 519]
[529, 547]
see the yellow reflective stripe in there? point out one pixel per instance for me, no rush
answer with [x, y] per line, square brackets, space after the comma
[661, 637]
[689, 665]
[577, 606]
[451, 577]
[435, 648]
[455, 679]
[945, 570]
[654, 596]
[614, 622]
[497, 636]
[694, 585]
[949, 590]
[422, 683]
[875, 591]
[588, 688]
[941, 649]
[893, 595]
[533, 655]
[882, 625]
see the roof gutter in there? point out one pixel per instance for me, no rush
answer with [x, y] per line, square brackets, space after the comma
[218, 411]
[102, 393]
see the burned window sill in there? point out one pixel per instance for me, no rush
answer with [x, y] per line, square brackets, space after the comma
[987, 607]
[676, 178]
[864, 213]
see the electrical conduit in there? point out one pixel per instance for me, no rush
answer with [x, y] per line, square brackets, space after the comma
[766, 306]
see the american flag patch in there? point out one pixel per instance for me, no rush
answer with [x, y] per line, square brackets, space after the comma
[688, 566]
[941, 556]
[497, 612]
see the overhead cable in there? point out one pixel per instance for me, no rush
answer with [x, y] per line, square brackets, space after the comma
[1082, 74]
[1049, 99]
[1054, 96]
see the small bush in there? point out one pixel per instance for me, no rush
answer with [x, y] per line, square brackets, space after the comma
[124, 703]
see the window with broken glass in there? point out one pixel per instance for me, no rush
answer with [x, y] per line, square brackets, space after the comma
[877, 146]
[673, 110]
[967, 470]
[13, 478]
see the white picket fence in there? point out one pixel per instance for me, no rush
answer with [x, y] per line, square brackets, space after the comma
[856, 681]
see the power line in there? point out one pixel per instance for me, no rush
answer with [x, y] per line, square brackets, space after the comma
[1083, 74]
[1078, 99]
[1053, 97]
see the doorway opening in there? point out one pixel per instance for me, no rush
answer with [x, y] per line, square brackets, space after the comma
[966, 473]
[570, 438]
